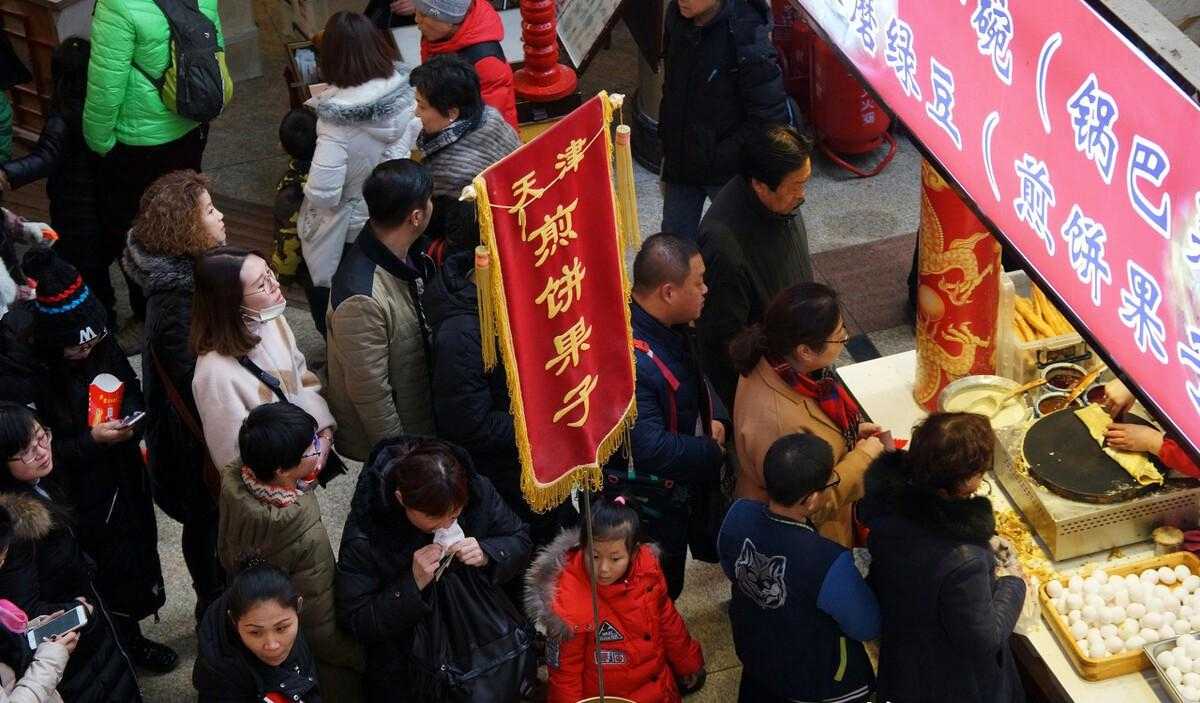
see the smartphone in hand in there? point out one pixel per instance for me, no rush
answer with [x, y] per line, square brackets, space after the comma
[131, 420]
[69, 621]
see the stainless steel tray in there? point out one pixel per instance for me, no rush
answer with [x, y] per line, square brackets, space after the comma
[1152, 651]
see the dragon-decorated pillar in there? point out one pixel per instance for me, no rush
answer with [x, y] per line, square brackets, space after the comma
[957, 294]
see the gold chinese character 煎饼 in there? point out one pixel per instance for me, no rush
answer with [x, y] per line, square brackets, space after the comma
[568, 345]
[560, 293]
[579, 395]
[525, 190]
[570, 159]
[557, 230]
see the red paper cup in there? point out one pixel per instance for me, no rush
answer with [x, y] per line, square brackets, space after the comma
[104, 399]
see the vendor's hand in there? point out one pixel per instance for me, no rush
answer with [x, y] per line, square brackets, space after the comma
[402, 7]
[69, 640]
[111, 432]
[871, 445]
[718, 433]
[1133, 438]
[868, 429]
[1117, 398]
[425, 564]
[470, 553]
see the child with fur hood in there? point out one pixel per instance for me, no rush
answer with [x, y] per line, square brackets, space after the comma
[646, 650]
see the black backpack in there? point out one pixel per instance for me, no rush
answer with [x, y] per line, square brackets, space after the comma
[196, 84]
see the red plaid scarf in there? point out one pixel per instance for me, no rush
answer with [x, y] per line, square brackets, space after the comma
[830, 395]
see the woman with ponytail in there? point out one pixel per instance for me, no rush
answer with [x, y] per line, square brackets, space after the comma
[251, 647]
[787, 385]
[648, 654]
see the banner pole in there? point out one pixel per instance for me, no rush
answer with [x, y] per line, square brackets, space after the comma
[587, 525]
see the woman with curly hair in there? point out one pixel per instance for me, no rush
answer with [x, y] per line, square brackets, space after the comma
[176, 223]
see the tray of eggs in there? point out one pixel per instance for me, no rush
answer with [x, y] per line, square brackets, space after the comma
[1177, 661]
[1105, 617]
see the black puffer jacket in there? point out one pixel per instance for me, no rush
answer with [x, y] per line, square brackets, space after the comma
[62, 157]
[176, 456]
[107, 485]
[377, 599]
[946, 617]
[721, 80]
[227, 672]
[46, 570]
[471, 406]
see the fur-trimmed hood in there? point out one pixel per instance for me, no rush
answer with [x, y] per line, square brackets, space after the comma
[888, 490]
[32, 519]
[542, 603]
[379, 100]
[153, 272]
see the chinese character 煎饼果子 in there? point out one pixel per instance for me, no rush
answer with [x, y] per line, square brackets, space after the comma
[568, 345]
[579, 395]
[1139, 311]
[557, 230]
[1037, 196]
[1085, 245]
[561, 292]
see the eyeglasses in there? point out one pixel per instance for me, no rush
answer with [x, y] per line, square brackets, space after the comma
[837, 479]
[270, 282]
[843, 340]
[41, 441]
[316, 448]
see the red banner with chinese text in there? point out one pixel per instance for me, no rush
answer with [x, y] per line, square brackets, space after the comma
[556, 296]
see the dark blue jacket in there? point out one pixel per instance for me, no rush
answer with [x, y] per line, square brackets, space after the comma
[800, 609]
[682, 455]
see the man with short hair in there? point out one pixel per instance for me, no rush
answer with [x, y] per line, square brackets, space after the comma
[267, 505]
[679, 436]
[754, 244]
[379, 338]
[800, 608]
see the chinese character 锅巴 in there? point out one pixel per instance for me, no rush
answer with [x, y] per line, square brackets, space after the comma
[1093, 113]
[1148, 162]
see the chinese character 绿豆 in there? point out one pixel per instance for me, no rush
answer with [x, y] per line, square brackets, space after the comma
[941, 107]
[557, 230]
[865, 24]
[1085, 244]
[1139, 311]
[1189, 356]
[1037, 196]
[579, 395]
[1093, 113]
[570, 159]
[901, 56]
[561, 292]
[568, 345]
[1148, 161]
[525, 190]
[993, 34]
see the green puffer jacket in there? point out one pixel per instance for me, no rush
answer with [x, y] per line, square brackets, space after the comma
[122, 104]
[294, 539]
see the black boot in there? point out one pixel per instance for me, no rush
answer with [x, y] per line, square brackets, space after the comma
[152, 656]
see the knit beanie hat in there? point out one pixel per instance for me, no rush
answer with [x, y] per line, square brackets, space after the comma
[451, 11]
[66, 312]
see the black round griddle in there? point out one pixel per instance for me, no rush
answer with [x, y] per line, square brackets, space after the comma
[1064, 457]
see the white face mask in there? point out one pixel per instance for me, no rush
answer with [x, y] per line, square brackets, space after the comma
[266, 314]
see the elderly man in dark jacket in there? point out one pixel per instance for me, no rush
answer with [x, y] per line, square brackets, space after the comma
[678, 439]
[754, 244]
[721, 81]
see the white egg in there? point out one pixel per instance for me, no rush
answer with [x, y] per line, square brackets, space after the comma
[1183, 663]
[1174, 674]
[1167, 632]
[1091, 585]
[1149, 576]
[1107, 592]
[1075, 585]
[1194, 622]
[1135, 642]
[1166, 659]
[1191, 583]
[1152, 620]
[1080, 630]
[1182, 572]
[1148, 634]
[1154, 605]
[1118, 614]
[1193, 649]
[1185, 612]
[1189, 693]
[1074, 616]
[1074, 601]
[1107, 631]
[1090, 613]
[1132, 580]
[1121, 598]
[1184, 640]
[1136, 610]
[1137, 592]
[1161, 592]
[1192, 679]
[1128, 629]
[1173, 603]
[1093, 599]
[1083, 646]
[1100, 575]
[1097, 652]
[1114, 644]
[1054, 589]
[1166, 575]
[1109, 616]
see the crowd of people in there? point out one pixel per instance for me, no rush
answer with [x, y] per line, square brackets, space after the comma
[747, 451]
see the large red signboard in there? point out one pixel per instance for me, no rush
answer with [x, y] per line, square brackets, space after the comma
[1073, 144]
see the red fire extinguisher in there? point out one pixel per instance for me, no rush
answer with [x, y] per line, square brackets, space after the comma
[791, 36]
[846, 118]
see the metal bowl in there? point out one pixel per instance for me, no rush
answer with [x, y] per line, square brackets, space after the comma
[1075, 404]
[969, 383]
[1061, 366]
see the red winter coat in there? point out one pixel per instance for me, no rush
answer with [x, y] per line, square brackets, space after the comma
[644, 641]
[482, 24]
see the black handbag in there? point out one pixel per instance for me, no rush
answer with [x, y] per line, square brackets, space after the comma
[474, 646]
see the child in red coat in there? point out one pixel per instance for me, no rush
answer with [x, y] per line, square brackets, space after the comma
[644, 644]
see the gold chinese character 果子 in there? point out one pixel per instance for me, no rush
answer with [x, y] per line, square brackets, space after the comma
[570, 159]
[557, 230]
[568, 345]
[579, 395]
[525, 190]
[560, 293]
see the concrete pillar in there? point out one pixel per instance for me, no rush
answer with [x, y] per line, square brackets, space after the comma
[242, 53]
